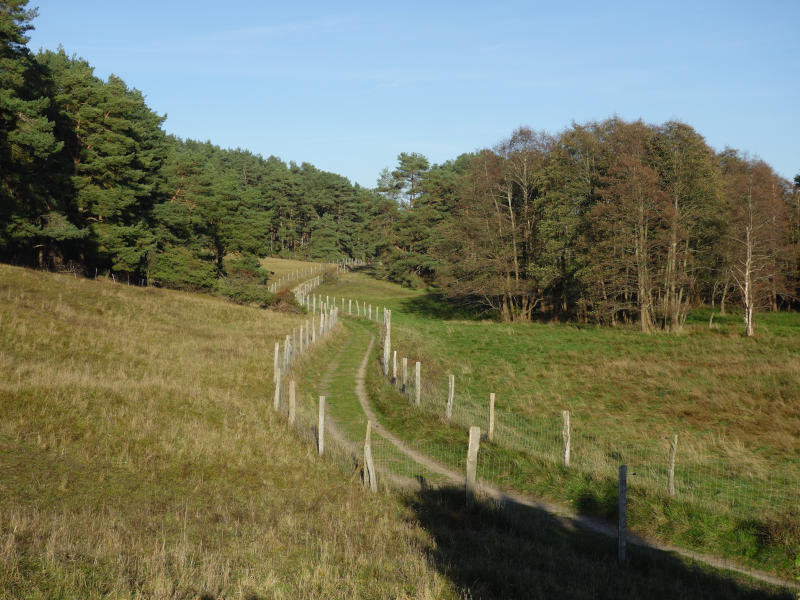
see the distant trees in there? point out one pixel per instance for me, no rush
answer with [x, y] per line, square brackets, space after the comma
[405, 182]
[612, 221]
[90, 181]
[758, 229]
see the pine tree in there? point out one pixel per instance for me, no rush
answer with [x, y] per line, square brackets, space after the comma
[30, 214]
[115, 146]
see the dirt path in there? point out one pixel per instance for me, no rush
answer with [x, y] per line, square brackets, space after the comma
[420, 459]
[564, 515]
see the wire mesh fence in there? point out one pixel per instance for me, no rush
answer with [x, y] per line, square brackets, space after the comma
[528, 453]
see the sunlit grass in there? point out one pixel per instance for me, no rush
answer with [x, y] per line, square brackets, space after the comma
[140, 457]
[731, 400]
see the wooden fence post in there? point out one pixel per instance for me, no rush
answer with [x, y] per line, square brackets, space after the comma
[276, 402]
[386, 348]
[366, 444]
[405, 373]
[451, 392]
[292, 403]
[673, 447]
[394, 367]
[321, 426]
[276, 365]
[350, 306]
[491, 417]
[565, 433]
[472, 462]
[369, 465]
[417, 384]
[623, 518]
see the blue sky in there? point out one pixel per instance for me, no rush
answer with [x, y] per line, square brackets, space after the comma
[347, 86]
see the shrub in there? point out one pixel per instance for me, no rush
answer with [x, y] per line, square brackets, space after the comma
[178, 268]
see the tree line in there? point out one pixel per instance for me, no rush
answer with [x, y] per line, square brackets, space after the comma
[90, 181]
[610, 222]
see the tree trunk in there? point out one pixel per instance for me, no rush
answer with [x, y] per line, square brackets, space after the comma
[642, 274]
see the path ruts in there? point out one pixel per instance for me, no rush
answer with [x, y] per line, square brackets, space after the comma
[564, 515]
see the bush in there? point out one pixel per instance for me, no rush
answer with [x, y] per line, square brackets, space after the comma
[245, 265]
[178, 268]
[244, 290]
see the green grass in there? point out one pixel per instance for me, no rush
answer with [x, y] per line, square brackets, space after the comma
[140, 457]
[732, 400]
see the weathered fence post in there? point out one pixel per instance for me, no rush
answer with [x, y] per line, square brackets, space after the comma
[565, 433]
[292, 404]
[299, 343]
[276, 364]
[417, 384]
[394, 367]
[387, 341]
[472, 462]
[321, 426]
[673, 447]
[405, 373]
[623, 518]
[451, 392]
[350, 306]
[369, 465]
[276, 402]
[491, 417]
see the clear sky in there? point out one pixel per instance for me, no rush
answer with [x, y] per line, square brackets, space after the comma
[347, 86]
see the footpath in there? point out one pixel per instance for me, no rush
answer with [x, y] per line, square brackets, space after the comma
[343, 380]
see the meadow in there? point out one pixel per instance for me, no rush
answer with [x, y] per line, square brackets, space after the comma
[731, 400]
[140, 457]
[288, 270]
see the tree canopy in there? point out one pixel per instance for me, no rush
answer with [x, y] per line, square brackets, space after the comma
[90, 181]
[608, 221]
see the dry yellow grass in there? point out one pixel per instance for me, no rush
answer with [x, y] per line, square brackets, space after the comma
[282, 267]
[139, 457]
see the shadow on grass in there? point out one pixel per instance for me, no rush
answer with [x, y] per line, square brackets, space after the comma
[435, 305]
[521, 552]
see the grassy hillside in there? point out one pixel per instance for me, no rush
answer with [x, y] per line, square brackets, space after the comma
[139, 457]
[732, 401]
[285, 267]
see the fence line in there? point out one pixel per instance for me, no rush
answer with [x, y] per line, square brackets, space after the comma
[341, 266]
[522, 450]
[561, 439]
